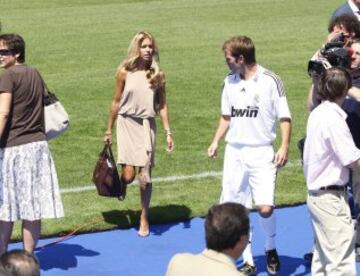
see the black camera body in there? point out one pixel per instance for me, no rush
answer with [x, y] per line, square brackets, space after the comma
[333, 54]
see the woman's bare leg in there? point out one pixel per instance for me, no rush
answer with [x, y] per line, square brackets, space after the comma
[127, 174]
[145, 196]
[31, 233]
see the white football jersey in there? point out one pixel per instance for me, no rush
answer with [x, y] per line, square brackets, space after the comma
[254, 106]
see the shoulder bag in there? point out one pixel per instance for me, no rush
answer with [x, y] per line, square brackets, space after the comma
[56, 117]
[106, 177]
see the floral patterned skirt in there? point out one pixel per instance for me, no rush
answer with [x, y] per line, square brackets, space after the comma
[29, 187]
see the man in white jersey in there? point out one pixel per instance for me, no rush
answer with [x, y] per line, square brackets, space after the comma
[253, 100]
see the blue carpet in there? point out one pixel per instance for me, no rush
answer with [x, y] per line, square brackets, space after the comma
[122, 252]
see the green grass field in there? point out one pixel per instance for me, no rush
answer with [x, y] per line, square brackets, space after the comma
[78, 44]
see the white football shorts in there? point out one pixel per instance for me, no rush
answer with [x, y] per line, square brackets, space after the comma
[249, 175]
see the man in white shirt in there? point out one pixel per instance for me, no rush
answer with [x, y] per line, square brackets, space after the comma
[253, 100]
[329, 151]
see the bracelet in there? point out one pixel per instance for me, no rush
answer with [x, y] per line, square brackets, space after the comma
[108, 133]
[168, 132]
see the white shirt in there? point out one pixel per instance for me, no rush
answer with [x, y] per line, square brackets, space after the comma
[329, 147]
[354, 8]
[254, 105]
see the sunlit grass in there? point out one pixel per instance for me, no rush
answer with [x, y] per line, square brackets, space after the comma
[78, 44]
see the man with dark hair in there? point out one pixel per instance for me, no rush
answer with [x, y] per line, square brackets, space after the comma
[227, 234]
[345, 21]
[328, 153]
[19, 263]
[348, 27]
[253, 102]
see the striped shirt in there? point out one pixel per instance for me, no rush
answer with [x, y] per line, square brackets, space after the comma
[254, 106]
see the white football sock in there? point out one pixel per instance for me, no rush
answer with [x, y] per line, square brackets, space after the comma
[269, 228]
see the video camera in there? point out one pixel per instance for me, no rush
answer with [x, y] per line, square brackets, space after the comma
[333, 54]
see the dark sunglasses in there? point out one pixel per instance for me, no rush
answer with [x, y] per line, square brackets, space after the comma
[5, 52]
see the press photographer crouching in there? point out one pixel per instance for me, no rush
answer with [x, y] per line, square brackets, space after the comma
[328, 153]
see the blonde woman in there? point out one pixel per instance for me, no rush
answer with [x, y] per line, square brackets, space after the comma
[139, 95]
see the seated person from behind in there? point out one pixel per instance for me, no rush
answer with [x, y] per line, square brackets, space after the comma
[227, 234]
[19, 263]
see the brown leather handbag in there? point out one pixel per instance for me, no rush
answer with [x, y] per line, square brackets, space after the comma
[106, 177]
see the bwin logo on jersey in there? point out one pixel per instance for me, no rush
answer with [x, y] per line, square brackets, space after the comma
[250, 111]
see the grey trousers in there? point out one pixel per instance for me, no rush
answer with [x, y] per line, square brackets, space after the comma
[334, 253]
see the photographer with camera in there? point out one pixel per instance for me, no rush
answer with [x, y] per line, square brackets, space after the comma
[344, 32]
[336, 52]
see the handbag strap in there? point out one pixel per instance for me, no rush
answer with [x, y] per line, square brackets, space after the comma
[46, 89]
[107, 151]
[48, 96]
[113, 159]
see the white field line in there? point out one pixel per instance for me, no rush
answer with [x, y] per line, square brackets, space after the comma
[173, 178]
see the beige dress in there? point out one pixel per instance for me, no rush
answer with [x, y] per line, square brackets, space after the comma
[136, 123]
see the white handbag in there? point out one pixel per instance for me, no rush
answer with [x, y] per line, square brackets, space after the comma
[56, 118]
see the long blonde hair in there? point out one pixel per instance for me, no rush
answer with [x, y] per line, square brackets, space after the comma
[131, 62]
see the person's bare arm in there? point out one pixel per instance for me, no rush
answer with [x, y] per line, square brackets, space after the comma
[220, 132]
[164, 115]
[5, 105]
[281, 155]
[354, 92]
[313, 99]
[119, 87]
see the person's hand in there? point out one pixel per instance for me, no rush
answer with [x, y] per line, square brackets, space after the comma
[212, 150]
[108, 138]
[281, 157]
[334, 36]
[169, 143]
[341, 35]
[354, 92]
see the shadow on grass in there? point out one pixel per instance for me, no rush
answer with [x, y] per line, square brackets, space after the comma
[168, 215]
[289, 265]
[62, 256]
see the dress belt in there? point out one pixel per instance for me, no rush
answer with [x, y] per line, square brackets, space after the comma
[333, 188]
